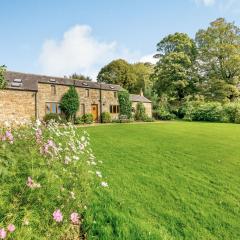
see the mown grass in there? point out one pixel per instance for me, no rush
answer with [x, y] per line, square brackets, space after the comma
[172, 180]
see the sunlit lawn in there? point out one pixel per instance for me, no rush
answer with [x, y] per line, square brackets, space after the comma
[170, 180]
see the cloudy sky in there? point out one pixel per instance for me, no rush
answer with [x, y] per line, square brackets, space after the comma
[60, 37]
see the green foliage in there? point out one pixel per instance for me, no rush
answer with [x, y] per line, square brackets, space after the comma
[118, 72]
[219, 47]
[70, 103]
[132, 77]
[174, 73]
[78, 120]
[173, 174]
[125, 104]
[80, 77]
[54, 116]
[140, 113]
[3, 82]
[36, 180]
[163, 114]
[106, 117]
[232, 110]
[87, 118]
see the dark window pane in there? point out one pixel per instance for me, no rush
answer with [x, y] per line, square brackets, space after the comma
[48, 108]
[54, 108]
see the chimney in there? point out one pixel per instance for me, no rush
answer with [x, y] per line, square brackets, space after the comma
[141, 92]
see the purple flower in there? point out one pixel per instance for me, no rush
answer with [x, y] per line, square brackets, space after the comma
[11, 228]
[74, 218]
[57, 215]
[3, 233]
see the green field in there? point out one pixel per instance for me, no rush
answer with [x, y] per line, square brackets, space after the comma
[170, 180]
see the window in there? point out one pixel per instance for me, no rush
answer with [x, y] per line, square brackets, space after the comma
[114, 109]
[53, 107]
[82, 109]
[115, 94]
[87, 92]
[53, 90]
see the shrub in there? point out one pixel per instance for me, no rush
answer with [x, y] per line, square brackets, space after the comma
[87, 118]
[232, 110]
[70, 103]
[187, 109]
[210, 112]
[78, 120]
[163, 114]
[106, 117]
[125, 104]
[54, 116]
[140, 112]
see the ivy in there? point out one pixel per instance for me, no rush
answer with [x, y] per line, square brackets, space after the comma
[125, 103]
[3, 82]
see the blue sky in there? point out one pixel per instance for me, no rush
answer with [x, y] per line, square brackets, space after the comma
[59, 37]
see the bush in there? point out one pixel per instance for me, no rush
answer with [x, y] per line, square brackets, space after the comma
[140, 113]
[70, 103]
[232, 111]
[187, 109]
[78, 120]
[210, 112]
[163, 114]
[87, 118]
[106, 117]
[54, 116]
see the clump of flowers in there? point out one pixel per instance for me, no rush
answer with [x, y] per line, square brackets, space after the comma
[58, 161]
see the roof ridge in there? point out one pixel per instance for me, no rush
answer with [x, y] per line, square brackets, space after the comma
[66, 78]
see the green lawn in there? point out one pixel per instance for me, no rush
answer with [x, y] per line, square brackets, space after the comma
[170, 180]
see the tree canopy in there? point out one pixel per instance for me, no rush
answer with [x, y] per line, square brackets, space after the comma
[80, 77]
[219, 60]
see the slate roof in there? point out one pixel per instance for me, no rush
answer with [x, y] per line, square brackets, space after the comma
[26, 81]
[139, 98]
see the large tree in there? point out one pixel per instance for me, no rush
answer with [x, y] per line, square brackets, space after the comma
[174, 73]
[219, 60]
[118, 72]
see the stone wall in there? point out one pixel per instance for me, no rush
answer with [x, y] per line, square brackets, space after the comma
[45, 95]
[17, 105]
[148, 108]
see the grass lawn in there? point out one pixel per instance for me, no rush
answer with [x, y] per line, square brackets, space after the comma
[170, 180]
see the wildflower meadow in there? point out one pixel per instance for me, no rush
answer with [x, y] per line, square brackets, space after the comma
[47, 173]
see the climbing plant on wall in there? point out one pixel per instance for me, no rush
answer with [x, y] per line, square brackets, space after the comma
[125, 103]
[3, 82]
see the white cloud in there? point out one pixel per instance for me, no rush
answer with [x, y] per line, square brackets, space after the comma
[206, 2]
[149, 58]
[78, 51]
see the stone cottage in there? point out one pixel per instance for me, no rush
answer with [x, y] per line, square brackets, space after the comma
[31, 96]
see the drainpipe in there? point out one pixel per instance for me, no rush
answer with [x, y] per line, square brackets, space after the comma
[36, 106]
[100, 102]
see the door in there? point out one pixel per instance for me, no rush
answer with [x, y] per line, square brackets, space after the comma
[95, 112]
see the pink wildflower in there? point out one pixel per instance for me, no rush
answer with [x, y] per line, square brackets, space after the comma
[32, 184]
[38, 135]
[8, 137]
[3, 233]
[11, 228]
[74, 218]
[57, 216]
